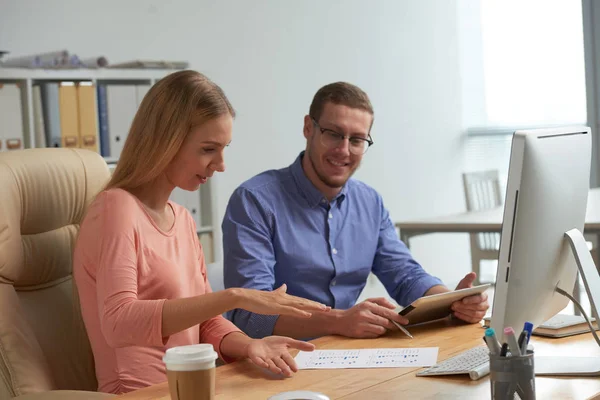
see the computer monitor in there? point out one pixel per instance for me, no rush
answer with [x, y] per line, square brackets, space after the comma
[546, 196]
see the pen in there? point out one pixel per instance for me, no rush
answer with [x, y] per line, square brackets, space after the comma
[529, 328]
[523, 341]
[511, 339]
[403, 329]
[492, 342]
[504, 350]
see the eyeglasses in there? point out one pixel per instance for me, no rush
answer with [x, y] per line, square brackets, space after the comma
[332, 139]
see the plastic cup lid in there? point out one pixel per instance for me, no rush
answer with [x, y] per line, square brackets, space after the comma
[190, 354]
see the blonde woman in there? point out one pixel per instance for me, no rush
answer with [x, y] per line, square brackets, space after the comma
[138, 265]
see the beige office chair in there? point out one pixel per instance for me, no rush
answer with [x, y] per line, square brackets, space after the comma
[44, 349]
[482, 192]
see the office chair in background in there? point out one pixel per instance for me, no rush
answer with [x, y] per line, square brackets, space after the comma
[482, 192]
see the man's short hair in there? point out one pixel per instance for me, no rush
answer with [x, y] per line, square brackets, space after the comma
[340, 93]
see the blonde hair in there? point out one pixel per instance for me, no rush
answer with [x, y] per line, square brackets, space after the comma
[172, 107]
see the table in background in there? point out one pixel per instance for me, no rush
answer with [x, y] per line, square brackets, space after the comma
[243, 380]
[487, 221]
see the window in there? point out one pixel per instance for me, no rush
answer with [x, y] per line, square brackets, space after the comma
[532, 61]
[523, 66]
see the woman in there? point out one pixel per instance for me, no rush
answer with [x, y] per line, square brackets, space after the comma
[138, 265]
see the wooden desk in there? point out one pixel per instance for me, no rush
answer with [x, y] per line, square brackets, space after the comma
[242, 380]
[486, 221]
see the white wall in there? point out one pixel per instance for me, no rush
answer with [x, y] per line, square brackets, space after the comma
[270, 57]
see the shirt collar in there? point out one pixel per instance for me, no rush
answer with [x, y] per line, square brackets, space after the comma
[308, 190]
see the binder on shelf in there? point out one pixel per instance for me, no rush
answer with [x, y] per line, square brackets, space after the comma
[121, 107]
[206, 204]
[27, 129]
[86, 101]
[38, 117]
[141, 91]
[51, 113]
[69, 122]
[11, 117]
[189, 200]
[206, 241]
[103, 121]
[193, 206]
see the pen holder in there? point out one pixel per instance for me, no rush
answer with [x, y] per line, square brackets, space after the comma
[512, 374]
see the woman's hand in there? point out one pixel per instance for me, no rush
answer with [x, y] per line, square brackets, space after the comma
[276, 302]
[272, 352]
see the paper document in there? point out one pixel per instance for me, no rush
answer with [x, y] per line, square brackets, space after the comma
[367, 358]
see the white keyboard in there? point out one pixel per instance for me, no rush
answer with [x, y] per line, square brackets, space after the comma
[475, 362]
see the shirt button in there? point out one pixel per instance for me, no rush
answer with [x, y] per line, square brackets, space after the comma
[330, 215]
[334, 251]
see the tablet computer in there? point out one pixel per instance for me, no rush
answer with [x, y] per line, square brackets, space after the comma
[436, 306]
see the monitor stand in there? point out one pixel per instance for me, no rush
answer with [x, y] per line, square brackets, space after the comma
[577, 366]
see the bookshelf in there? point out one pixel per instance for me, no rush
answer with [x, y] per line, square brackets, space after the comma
[199, 204]
[27, 78]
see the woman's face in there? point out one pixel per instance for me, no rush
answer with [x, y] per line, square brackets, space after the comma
[201, 154]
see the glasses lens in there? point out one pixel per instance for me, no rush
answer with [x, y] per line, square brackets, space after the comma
[358, 146]
[331, 139]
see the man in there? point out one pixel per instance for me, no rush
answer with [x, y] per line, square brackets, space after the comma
[311, 227]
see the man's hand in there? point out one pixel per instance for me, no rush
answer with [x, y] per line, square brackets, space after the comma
[470, 309]
[369, 319]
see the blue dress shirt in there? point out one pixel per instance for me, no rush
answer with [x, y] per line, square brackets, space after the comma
[278, 228]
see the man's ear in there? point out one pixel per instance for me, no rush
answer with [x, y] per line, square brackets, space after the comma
[308, 125]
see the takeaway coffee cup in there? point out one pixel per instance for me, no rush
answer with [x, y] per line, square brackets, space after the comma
[191, 371]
